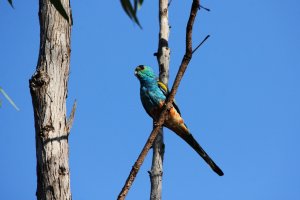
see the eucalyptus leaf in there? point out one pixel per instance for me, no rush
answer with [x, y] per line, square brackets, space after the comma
[9, 99]
[11, 3]
[131, 10]
[126, 6]
[140, 2]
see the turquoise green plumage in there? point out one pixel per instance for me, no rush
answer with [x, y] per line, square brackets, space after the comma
[153, 95]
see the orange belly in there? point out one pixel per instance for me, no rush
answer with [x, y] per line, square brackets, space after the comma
[173, 120]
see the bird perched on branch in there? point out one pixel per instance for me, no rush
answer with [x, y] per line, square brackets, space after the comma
[153, 95]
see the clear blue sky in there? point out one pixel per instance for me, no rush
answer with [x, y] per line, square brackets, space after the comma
[240, 98]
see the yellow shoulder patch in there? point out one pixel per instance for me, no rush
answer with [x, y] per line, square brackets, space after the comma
[163, 87]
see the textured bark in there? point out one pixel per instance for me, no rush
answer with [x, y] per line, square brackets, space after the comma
[48, 87]
[157, 167]
[163, 58]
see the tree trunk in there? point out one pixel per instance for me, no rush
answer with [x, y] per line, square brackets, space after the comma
[48, 88]
[163, 58]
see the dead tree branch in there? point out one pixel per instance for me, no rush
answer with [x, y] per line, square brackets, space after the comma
[163, 59]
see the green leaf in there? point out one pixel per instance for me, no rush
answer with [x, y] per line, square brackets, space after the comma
[9, 99]
[60, 8]
[11, 3]
[135, 6]
[126, 6]
[140, 2]
[132, 10]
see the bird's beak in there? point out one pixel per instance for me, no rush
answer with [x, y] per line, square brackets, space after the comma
[135, 72]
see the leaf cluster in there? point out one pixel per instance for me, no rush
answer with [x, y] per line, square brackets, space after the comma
[131, 9]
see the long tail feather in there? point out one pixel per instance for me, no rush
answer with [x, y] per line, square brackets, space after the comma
[184, 133]
[196, 146]
[176, 124]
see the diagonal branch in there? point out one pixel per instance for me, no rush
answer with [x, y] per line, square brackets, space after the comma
[184, 63]
[200, 44]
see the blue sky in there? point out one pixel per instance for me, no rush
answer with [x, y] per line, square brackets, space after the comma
[240, 98]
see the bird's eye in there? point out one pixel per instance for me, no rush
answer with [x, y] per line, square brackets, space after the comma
[141, 67]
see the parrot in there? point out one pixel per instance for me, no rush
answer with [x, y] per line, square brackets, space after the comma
[153, 94]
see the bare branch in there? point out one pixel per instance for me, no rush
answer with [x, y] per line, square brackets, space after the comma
[201, 43]
[184, 63]
[207, 9]
[163, 59]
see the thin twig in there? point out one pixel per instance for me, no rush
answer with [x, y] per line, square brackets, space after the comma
[207, 9]
[184, 63]
[201, 43]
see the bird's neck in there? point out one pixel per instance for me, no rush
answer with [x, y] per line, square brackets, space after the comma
[149, 83]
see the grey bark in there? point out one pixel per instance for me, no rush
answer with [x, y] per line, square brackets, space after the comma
[48, 87]
[163, 58]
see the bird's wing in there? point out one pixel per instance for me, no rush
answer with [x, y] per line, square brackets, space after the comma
[165, 90]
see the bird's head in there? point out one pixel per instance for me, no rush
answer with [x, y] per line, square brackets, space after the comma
[144, 73]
